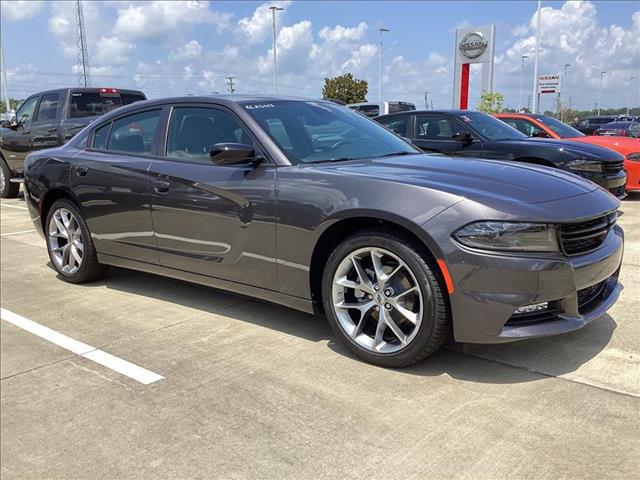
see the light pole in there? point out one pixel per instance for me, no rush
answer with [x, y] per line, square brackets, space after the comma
[564, 90]
[381, 30]
[524, 57]
[536, 97]
[631, 79]
[274, 9]
[602, 74]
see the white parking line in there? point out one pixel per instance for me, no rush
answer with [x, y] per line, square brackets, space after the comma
[13, 206]
[16, 233]
[105, 359]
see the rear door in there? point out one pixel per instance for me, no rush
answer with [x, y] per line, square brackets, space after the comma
[110, 180]
[44, 128]
[212, 219]
[434, 133]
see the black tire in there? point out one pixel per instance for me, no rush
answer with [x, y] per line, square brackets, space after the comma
[9, 190]
[435, 325]
[89, 269]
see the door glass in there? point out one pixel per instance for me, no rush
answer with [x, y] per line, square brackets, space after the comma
[25, 112]
[435, 128]
[101, 136]
[397, 125]
[193, 131]
[523, 126]
[135, 133]
[48, 107]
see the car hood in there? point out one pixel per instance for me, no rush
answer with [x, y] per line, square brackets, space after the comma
[619, 144]
[584, 150]
[472, 178]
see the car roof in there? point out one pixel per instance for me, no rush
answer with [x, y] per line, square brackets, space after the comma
[437, 112]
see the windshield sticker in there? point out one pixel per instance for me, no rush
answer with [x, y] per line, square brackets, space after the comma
[255, 106]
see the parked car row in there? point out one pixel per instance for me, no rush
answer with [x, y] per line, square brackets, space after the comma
[49, 119]
[312, 205]
[624, 126]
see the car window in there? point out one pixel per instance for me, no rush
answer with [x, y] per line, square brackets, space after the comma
[521, 125]
[134, 133]
[323, 131]
[101, 136]
[369, 110]
[26, 110]
[194, 130]
[128, 98]
[433, 127]
[396, 124]
[48, 108]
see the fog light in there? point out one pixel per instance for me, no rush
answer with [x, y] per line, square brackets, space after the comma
[536, 307]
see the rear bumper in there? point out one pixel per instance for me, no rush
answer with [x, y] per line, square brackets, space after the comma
[490, 288]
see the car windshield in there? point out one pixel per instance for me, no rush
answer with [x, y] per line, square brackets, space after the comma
[560, 128]
[312, 132]
[490, 127]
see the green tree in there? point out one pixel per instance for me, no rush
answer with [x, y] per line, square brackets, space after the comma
[13, 103]
[491, 102]
[346, 89]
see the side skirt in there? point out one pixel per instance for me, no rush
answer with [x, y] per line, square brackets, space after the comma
[240, 288]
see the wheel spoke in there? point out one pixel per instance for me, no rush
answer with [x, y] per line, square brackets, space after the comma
[365, 281]
[406, 313]
[363, 307]
[60, 226]
[65, 255]
[393, 326]
[76, 256]
[407, 291]
[378, 338]
[376, 260]
[345, 282]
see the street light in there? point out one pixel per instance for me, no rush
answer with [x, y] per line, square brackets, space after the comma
[275, 9]
[602, 74]
[521, 80]
[631, 79]
[564, 90]
[381, 30]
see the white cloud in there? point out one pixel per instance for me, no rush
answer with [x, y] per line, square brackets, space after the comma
[188, 51]
[20, 9]
[344, 34]
[258, 27]
[361, 57]
[113, 51]
[294, 46]
[162, 19]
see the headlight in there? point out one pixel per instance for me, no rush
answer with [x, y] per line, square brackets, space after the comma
[524, 237]
[581, 165]
[634, 157]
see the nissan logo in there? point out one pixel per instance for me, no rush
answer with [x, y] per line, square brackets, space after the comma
[473, 45]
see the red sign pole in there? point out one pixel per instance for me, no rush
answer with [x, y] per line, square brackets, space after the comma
[464, 86]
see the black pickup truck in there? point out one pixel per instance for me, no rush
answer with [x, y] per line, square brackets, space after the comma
[49, 119]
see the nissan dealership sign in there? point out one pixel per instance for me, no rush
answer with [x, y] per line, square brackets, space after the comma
[473, 45]
[549, 84]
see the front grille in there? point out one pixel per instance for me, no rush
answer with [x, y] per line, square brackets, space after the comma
[613, 167]
[585, 236]
[522, 319]
[588, 297]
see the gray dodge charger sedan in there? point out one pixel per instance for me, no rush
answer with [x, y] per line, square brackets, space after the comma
[311, 205]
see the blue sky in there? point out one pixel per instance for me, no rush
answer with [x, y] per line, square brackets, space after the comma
[168, 48]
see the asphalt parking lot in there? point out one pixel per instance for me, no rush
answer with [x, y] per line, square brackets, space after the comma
[253, 390]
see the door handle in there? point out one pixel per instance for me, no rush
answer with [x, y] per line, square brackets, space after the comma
[82, 171]
[161, 187]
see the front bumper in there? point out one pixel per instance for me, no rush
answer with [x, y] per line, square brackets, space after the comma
[489, 288]
[615, 183]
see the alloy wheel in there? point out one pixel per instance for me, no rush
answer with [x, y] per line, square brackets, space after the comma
[65, 241]
[377, 300]
[3, 180]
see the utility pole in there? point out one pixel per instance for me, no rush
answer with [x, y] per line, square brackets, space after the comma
[565, 87]
[631, 79]
[230, 83]
[524, 57]
[529, 103]
[5, 83]
[602, 74]
[426, 100]
[275, 9]
[84, 76]
[381, 30]
[432, 102]
[536, 97]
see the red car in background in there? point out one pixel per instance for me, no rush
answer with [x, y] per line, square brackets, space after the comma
[542, 126]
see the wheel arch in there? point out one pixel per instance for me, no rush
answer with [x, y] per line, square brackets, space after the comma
[349, 224]
[49, 198]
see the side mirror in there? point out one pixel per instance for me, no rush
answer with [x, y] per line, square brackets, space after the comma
[464, 137]
[540, 134]
[232, 153]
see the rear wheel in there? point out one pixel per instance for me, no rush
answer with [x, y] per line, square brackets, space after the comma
[8, 189]
[383, 299]
[69, 244]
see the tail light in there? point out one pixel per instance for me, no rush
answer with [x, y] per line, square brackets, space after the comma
[107, 90]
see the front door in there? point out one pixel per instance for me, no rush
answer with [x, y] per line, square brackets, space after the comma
[211, 219]
[16, 141]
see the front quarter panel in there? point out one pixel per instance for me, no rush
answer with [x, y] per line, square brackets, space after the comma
[312, 198]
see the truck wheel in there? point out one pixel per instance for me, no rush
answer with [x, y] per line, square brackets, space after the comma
[7, 189]
[383, 299]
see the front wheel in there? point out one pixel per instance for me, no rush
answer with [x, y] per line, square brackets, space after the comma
[383, 299]
[8, 189]
[69, 244]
